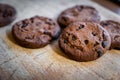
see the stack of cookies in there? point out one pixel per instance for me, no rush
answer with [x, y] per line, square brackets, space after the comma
[83, 36]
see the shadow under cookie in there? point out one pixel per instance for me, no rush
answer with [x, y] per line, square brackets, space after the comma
[10, 37]
[55, 47]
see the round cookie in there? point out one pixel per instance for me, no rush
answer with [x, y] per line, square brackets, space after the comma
[7, 14]
[78, 13]
[35, 32]
[84, 41]
[113, 29]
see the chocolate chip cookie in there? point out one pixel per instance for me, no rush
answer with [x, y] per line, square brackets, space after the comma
[113, 29]
[7, 14]
[84, 41]
[35, 32]
[78, 13]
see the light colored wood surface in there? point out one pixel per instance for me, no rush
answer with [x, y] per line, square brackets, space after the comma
[50, 63]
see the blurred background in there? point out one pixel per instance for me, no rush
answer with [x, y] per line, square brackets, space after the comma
[113, 5]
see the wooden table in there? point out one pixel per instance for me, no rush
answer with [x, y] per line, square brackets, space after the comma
[50, 63]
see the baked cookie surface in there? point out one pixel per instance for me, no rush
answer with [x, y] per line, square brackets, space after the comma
[84, 41]
[113, 29]
[35, 32]
[78, 13]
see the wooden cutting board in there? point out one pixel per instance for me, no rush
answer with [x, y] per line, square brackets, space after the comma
[50, 63]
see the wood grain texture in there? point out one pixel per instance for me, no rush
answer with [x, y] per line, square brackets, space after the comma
[50, 63]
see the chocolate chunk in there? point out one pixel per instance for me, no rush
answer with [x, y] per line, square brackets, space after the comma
[64, 18]
[96, 43]
[81, 26]
[71, 46]
[49, 23]
[24, 25]
[47, 33]
[73, 38]
[66, 41]
[28, 37]
[105, 24]
[99, 52]
[86, 42]
[104, 44]
[94, 33]
[50, 19]
[38, 23]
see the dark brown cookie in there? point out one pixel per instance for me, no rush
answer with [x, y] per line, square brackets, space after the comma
[7, 14]
[84, 41]
[35, 32]
[113, 29]
[78, 13]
